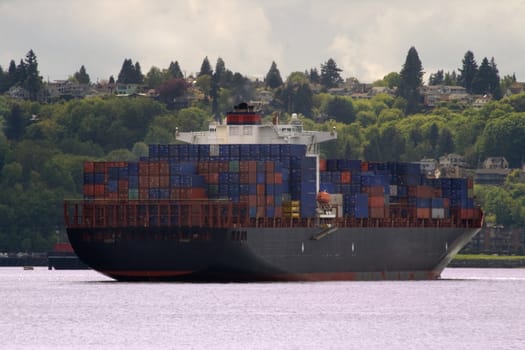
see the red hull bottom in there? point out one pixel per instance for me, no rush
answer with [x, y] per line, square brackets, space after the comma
[192, 276]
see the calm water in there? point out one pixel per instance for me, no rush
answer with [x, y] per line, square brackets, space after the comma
[468, 309]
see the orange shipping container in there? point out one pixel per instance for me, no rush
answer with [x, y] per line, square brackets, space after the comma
[278, 178]
[376, 202]
[322, 164]
[423, 213]
[346, 177]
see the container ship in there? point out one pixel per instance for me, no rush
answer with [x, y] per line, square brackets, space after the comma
[253, 201]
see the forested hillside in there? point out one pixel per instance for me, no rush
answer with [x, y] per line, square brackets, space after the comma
[43, 143]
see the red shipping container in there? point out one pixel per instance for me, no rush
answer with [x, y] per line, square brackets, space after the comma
[213, 167]
[269, 166]
[261, 212]
[99, 167]
[224, 166]
[364, 166]
[153, 181]
[164, 168]
[278, 212]
[154, 168]
[123, 185]
[260, 189]
[88, 190]
[252, 200]
[376, 213]
[99, 190]
[111, 195]
[143, 181]
[270, 178]
[143, 193]
[89, 167]
[164, 181]
[175, 193]
[261, 200]
[143, 169]
[270, 200]
[202, 167]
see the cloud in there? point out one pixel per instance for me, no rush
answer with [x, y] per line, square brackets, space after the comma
[366, 39]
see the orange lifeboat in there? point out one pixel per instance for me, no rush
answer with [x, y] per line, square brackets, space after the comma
[323, 197]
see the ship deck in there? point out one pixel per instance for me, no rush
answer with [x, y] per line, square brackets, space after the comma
[226, 214]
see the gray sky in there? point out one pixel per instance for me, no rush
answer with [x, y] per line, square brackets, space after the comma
[367, 39]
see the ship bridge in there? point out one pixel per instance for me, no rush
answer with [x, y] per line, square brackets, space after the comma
[243, 126]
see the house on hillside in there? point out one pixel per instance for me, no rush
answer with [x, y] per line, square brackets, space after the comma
[493, 171]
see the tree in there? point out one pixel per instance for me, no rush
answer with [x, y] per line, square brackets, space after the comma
[171, 89]
[174, 70]
[205, 67]
[220, 71]
[330, 74]
[33, 81]
[12, 73]
[410, 81]
[81, 76]
[468, 72]
[273, 78]
[129, 73]
[314, 76]
[341, 109]
[445, 144]
[481, 81]
[494, 81]
[450, 79]
[138, 76]
[436, 79]
[15, 123]
[154, 77]
[4, 81]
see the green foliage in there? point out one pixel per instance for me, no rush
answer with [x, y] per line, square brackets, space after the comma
[81, 76]
[330, 74]
[273, 78]
[410, 81]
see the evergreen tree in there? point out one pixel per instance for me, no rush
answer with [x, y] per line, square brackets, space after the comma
[494, 81]
[4, 81]
[481, 81]
[174, 70]
[127, 72]
[111, 80]
[81, 76]
[21, 73]
[33, 81]
[330, 74]
[450, 79]
[138, 77]
[468, 72]
[273, 78]
[410, 82]
[314, 76]
[205, 67]
[12, 73]
[220, 71]
[433, 135]
[436, 79]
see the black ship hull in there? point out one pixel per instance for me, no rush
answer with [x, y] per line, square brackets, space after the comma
[269, 254]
